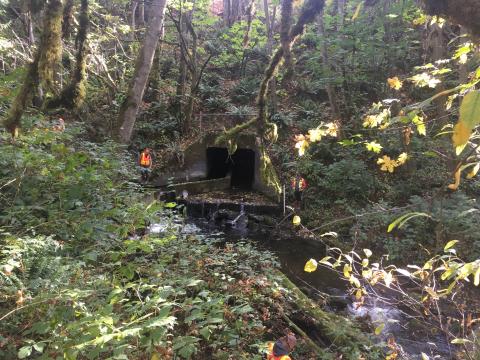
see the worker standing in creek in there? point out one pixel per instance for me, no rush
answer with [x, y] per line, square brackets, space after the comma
[299, 184]
[282, 347]
[146, 163]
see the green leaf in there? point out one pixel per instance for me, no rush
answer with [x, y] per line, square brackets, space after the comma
[450, 244]
[24, 352]
[374, 146]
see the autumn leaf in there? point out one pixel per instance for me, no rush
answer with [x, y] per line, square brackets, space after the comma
[296, 220]
[456, 184]
[395, 83]
[302, 146]
[315, 135]
[387, 164]
[402, 159]
[469, 118]
[332, 129]
[421, 128]
[474, 171]
[311, 265]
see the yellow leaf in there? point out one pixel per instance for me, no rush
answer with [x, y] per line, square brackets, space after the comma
[355, 281]
[155, 356]
[461, 135]
[455, 185]
[357, 11]
[379, 329]
[395, 83]
[365, 262]
[315, 135]
[358, 294]
[296, 220]
[474, 171]
[302, 145]
[332, 129]
[311, 265]
[387, 164]
[388, 278]
[402, 158]
[346, 270]
[469, 118]
[476, 280]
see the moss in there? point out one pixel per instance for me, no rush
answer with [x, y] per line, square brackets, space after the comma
[285, 25]
[67, 19]
[268, 173]
[51, 44]
[73, 95]
[250, 14]
[12, 121]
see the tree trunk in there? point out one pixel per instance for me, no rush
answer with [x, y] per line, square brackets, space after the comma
[31, 35]
[332, 96]
[285, 25]
[436, 48]
[141, 13]
[133, 24]
[129, 109]
[272, 85]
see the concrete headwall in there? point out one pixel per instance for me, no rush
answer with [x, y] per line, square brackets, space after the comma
[194, 167]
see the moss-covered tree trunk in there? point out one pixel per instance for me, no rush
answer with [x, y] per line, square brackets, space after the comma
[129, 109]
[73, 95]
[42, 68]
[269, 23]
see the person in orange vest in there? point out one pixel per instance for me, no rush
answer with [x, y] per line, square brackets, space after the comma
[299, 184]
[146, 162]
[282, 347]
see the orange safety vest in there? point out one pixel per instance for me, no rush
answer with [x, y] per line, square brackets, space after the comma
[302, 184]
[270, 355]
[145, 159]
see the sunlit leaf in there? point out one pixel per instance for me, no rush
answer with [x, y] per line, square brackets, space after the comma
[374, 146]
[311, 265]
[395, 83]
[469, 118]
[476, 278]
[456, 184]
[450, 244]
[357, 11]
[425, 356]
[387, 164]
[367, 252]
[296, 220]
[379, 329]
[474, 171]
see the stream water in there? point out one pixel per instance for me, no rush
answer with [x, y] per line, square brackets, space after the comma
[293, 252]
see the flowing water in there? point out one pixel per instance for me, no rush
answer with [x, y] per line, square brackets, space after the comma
[293, 252]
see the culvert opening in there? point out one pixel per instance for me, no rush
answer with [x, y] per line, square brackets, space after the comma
[241, 166]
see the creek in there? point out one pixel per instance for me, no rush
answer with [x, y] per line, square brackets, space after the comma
[293, 252]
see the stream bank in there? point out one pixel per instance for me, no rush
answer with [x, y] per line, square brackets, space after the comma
[325, 288]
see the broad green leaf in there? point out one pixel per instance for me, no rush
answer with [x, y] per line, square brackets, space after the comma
[311, 265]
[24, 352]
[450, 244]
